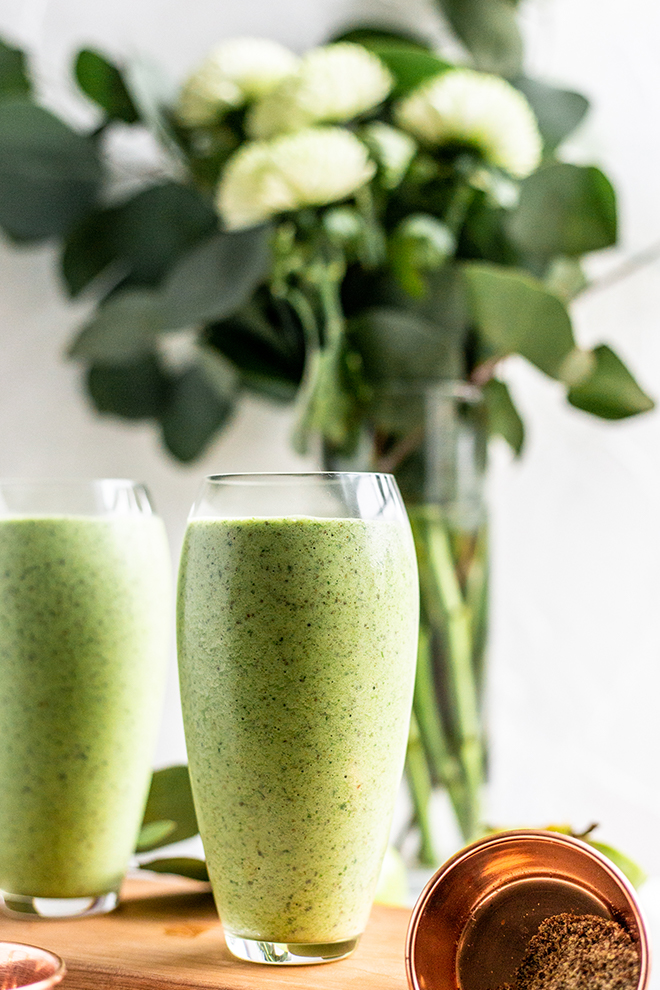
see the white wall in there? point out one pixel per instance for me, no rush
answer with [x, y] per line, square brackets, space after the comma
[576, 528]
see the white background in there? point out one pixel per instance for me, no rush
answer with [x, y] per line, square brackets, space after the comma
[574, 700]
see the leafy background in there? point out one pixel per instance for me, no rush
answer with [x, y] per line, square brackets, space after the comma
[576, 528]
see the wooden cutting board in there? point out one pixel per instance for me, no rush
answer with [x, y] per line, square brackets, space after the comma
[166, 936]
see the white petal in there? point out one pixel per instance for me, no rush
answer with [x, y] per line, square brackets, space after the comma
[478, 109]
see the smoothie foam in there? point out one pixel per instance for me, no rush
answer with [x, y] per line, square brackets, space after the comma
[84, 642]
[297, 644]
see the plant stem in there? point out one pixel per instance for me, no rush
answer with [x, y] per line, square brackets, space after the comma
[420, 787]
[447, 611]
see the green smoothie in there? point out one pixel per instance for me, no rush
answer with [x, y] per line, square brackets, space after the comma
[297, 642]
[84, 642]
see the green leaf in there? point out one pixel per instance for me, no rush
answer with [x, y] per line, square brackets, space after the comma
[503, 417]
[134, 390]
[123, 328]
[516, 314]
[610, 391]
[410, 65]
[628, 866]
[182, 866]
[558, 111]
[216, 277]
[145, 235]
[155, 834]
[398, 345]
[489, 31]
[367, 34]
[564, 209]
[209, 281]
[268, 359]
[103, 83]
[49, 174]
[194, 413]
[170, 799]
[14, 78]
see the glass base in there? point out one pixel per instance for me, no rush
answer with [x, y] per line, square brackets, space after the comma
[23, 905]
[288, 953]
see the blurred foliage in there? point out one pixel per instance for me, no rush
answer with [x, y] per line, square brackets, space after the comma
[440, 272]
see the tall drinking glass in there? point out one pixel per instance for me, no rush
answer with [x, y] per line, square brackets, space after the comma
[84, 642]
[297, 632]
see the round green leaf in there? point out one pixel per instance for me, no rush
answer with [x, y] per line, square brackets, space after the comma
[170, 800]
[503, 418]
[216, 277]
[103, 83]
[49, 174]
[194, 414]
[145, 235]
[610, 391]
[489, 30]
[516, 314]
[558, 111]
[134, 390]
[14, 79]
[182, 866]
[564, 209]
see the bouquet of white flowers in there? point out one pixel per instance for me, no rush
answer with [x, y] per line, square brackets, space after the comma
[323, 229]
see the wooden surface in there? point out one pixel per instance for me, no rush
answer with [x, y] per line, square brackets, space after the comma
[166, 935]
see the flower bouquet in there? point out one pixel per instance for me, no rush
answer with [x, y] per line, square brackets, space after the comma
[342, 231]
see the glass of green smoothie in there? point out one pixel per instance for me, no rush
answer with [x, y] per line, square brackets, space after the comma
[297, 636]
[85, 603]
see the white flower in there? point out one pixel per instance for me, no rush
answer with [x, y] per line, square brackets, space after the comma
[467, 107]
[235, 71]
[315, 166]
[333, 84]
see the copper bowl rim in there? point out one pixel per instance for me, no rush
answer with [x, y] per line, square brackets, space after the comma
[59, 970]
[500, 838]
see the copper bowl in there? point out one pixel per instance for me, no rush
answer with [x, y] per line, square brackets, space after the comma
[472, 922]
[28, 967]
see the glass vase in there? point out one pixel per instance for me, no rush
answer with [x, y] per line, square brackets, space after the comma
[432, 437]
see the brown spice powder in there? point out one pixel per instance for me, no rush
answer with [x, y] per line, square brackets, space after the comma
[578, 952]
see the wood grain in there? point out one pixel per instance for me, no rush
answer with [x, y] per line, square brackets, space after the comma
[166, 936]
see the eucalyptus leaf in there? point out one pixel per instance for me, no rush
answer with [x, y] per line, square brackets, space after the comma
[409, 64]
[216, 276]
[398, 345]
[516, 314]
[210, 280]
[183, 866]
[558, 111]
[170, 799]
[266, 359]
[503, 418]
[194, 413]
[49, 174]
[155, 834]
[123, 329]
[134, 390]
[564, 209]
[489, 31]
[14, 78]
[143, 236]
[610, 391]
[368, 35]
[103, 83]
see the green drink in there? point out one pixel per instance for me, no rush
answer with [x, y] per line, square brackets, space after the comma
[297, 640]
[84, 642]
